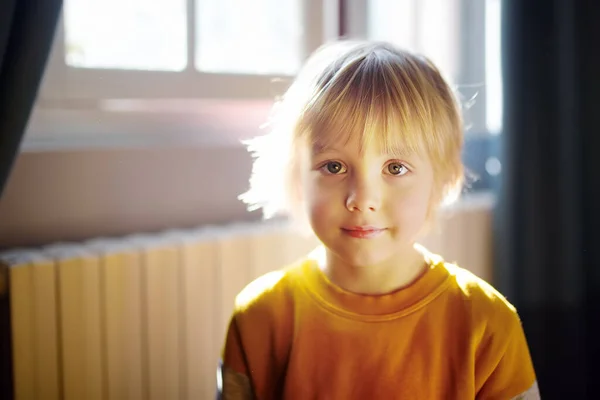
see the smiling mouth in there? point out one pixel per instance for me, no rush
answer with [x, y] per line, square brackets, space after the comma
[363, 232]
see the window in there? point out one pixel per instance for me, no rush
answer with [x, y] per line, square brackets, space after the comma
[426, 26]
[493, 67]
[215, 49]
[127, 35]
[249, 37]
[449, 32]
[201, 72]
[259, 37]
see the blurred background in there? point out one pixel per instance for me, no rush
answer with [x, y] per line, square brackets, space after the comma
[123, 243]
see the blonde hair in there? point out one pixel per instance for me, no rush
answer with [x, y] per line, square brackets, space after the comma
[369, 90]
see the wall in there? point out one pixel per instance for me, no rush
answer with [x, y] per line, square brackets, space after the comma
[72, 195]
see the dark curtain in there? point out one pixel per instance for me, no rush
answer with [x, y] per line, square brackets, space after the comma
[548, 218]
[26, 33]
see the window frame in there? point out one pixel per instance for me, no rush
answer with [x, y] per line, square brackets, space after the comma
[64, 83]
[79, 109]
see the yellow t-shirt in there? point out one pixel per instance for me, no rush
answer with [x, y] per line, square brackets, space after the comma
[449, 335]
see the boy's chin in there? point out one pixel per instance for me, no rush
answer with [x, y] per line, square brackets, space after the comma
[362, 257]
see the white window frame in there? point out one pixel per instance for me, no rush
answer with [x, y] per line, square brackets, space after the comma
[67, 83]
[82, 108]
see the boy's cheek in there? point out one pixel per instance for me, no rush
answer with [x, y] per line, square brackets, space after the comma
[408, 199]
[320, 191]
[321, 206]
[323, 210]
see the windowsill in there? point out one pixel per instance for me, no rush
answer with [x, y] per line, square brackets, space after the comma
[144, 123]
[148, 123]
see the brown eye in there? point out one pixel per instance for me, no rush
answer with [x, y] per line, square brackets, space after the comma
[334, 167]
[397, 169]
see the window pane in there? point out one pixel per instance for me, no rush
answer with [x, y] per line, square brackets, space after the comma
[249, 37]
[393, 21]
[429, 27]
[126, 34]
[493, 67]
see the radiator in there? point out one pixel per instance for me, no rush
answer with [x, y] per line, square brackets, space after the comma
[144, 316]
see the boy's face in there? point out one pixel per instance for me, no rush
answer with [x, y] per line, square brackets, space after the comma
[367, 207]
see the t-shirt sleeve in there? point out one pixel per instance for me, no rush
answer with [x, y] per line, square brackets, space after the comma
[257, 343]
[507, 367]
[233, 382]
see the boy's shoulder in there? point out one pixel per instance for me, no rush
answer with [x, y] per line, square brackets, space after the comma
[271, 290]
[484, 302]
[469, 287]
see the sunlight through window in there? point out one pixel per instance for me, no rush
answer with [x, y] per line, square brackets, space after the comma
[126, 34]
[493, 67]
[249, 37]
[429, 27]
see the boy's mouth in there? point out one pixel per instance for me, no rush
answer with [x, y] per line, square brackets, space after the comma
[363, 232]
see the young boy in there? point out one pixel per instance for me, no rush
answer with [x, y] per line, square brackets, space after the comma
[364, 147]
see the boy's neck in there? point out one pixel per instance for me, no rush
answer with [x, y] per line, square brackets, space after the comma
[391, 275]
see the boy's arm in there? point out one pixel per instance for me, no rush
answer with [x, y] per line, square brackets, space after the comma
[509, 369]
[233, 382]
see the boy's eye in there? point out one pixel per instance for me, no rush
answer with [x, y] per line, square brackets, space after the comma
[397, 169]
[334, 167]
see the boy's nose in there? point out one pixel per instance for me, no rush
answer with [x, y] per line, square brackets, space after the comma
[363, 196]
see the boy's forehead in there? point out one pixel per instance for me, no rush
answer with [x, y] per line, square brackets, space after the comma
[356, 146]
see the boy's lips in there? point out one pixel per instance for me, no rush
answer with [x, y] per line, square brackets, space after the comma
[363, 232]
